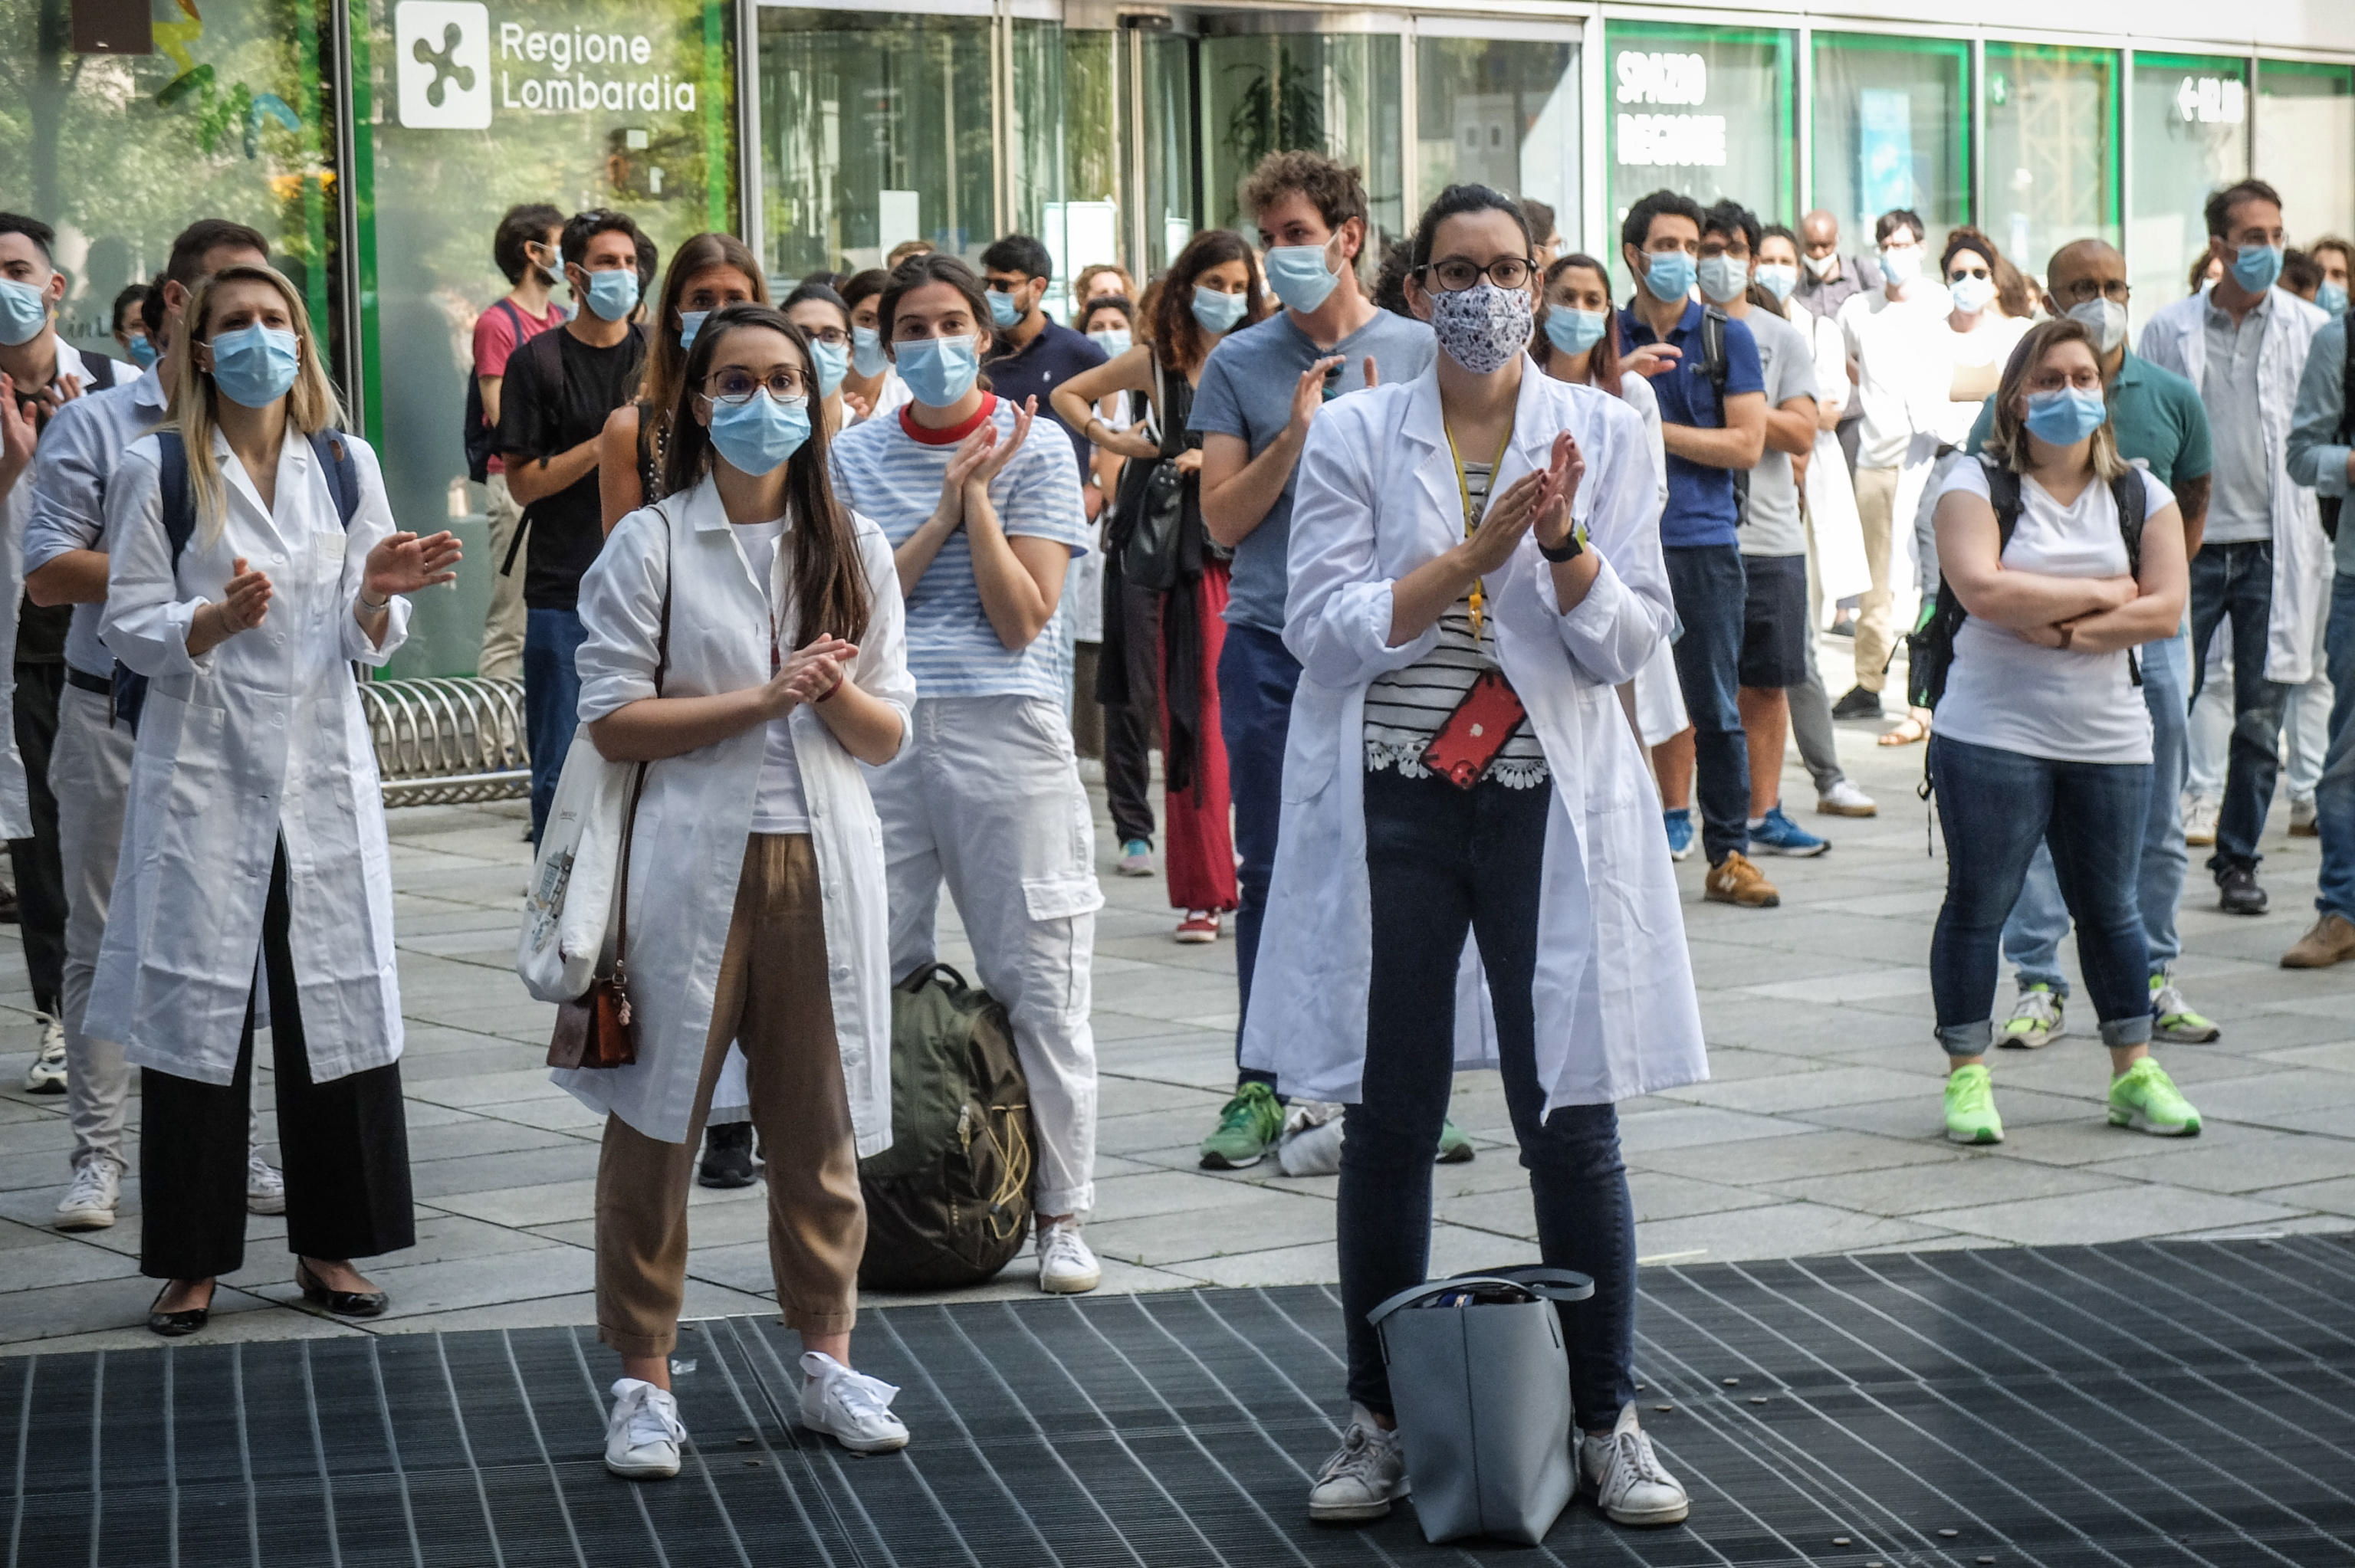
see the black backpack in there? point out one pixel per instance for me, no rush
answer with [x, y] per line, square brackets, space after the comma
[180, 525]
[482, 438]
[1930, 646]
[948, 1205]
[1714, 364]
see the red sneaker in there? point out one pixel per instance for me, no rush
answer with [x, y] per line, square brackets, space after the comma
[1198, 926]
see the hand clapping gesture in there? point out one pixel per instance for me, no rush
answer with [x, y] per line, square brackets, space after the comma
[809, 675]
[246, 601]
[403, 563]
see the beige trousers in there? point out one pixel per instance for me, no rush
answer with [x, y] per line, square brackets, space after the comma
[502, 655]
[1876, 626]
[771, 997]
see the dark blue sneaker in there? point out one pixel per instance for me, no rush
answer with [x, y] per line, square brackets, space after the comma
[1777, 834]
[1680, 833]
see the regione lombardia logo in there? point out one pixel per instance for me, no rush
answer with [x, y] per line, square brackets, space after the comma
[443, 50]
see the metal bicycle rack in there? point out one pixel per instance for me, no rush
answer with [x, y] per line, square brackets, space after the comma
[448, 741]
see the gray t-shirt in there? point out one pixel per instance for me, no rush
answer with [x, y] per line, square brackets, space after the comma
[1246, 391]
[2241, 504]
[1772, 525]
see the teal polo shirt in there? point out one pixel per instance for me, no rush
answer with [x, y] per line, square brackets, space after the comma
[2157, 417]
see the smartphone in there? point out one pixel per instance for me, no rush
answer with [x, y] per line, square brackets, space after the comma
[1489, 715]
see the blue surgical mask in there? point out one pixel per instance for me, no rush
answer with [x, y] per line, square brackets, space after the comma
[1901, 265]
[867, 354]
[1669, 274]
[2065, 416]
[612, 293]
[1216, 313]
[255, 365]
[1113, 341]
[23, 312]
[1971, 294]
[1575, 332]
[1002, 311]
[2257, 267]
[832, 362]
[759, 434]
[938, 370]
[1722, 279]
[1777, 278]
[1301, 276]
[143, 354]
[689, 323]
[2332, 297]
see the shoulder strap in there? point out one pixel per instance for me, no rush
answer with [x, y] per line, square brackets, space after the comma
[638, 778]
[2346, 431]
[2132, 500]
[515, 320]
[343, 474]
[2003, 494]
[179, 507]
[102, 371]
[1712, 353]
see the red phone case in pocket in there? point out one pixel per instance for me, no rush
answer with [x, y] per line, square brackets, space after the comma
[1489, 715]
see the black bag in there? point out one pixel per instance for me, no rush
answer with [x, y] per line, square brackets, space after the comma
[482, 438]
[2327, 506]
[1714, 365]
[1157, 503]
[948, 1205]
[1930, 646]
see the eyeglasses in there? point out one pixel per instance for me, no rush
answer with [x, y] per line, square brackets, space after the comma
[833, 337]
[1456, 274]
[1003, 285]
[2083, 290]
[1958, 274]
[737, 386]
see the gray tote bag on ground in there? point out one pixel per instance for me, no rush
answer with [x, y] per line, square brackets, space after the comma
[1481, 1382]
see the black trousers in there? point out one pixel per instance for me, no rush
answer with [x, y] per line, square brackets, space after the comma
[36, 862]
[1130, 727]
[344, 1145]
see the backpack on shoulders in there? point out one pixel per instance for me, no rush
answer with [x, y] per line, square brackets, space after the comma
[1715, 365]
[948, 1205]
[179, 510]
[482, 438]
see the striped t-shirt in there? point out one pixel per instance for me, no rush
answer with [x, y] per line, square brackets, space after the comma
[889, 469]
[1406, 707]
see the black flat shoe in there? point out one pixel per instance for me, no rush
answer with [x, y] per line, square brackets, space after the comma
[343, 1303]
[175, 1325]
[727, 1156]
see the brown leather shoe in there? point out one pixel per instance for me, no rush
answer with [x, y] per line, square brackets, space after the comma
[2331, 941]
[1734, 880]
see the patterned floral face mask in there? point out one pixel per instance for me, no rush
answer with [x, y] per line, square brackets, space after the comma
[1481, 327]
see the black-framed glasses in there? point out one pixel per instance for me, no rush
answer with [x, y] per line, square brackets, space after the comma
[833, 337]
[1004, 285]
[2083, 290]
[1453, 274]
[736, 386]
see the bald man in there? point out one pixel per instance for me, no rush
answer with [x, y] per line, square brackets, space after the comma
[2160, 422]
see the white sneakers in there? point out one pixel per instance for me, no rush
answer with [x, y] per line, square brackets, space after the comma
[1845, 800]
[1066, 1266]
[643, 1432]
[265, 1185]
[852, 1408]
[1626, 1476]
[1366, 1474]
[91, 1196]
[46, 1075]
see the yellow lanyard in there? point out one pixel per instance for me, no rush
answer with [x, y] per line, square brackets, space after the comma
[1464, 488]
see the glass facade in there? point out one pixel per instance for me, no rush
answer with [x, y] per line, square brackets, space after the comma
[1892, 129]
[2051, 120]
[1337, 93]
[1498, 108]
[2306, 144]
[1705, 111]
[2191, 117]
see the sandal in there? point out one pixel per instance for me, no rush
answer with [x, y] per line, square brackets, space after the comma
[1909, 730]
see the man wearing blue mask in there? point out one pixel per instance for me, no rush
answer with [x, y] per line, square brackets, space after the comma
[2264, 562]
[1261, 389]
[1032, 353]
[553, 402]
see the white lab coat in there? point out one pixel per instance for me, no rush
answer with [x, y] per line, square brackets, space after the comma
[1660, 711]
[2177, 339]
[1376, 497]
[1835, 532]
[259, 740]
[687, 848]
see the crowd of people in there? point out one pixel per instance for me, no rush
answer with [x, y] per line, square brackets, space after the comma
[1447, 585]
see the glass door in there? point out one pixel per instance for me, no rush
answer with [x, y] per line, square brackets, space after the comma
[1158, 167]
[1264, 90]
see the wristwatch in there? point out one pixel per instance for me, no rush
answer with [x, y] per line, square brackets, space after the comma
[1570, 549]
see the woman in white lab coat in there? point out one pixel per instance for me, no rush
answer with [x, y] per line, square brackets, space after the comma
[1475, 567]
[255, 836]
[745, 641]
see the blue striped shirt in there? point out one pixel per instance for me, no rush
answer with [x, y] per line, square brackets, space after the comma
[883, 472]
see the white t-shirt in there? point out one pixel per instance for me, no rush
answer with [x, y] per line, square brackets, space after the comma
[779, 808]
[1904, 367]
[2007, 692]
[1990, 342]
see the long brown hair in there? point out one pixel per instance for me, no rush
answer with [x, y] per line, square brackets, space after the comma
[2008, 442]
[829, 586]
[666, 361]
[311, 404]
[1603, 359]
[1178, 337]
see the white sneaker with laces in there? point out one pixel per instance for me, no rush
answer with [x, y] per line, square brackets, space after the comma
[91, 1196]
[1845, 800]
[1066, 1266]
[1365, 1476]
[46, 1075]
[1626, 1476]
[642, 1432]
[265, 1185]
[2199, 814]
[852, 1408]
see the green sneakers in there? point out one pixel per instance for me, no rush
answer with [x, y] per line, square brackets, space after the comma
[2145, 1098]
[2171, 1018]
[1970, 1106]
[2035, 1018]
[1248, 1126]
[1455, 1148]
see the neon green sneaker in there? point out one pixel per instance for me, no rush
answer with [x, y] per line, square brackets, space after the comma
[2145, 1098]
[1248, 1125]
[1455, 1148]
[2035, 1018]
[2171, 1018]
[1970, 1106]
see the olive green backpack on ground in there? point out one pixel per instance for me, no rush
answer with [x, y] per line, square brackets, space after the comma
[948, 1205]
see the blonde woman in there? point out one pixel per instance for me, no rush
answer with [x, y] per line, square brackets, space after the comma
[253, 560]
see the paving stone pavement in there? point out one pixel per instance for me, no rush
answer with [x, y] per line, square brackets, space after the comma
[1818, 1131]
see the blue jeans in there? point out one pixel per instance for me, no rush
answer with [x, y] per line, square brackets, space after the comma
[1257, 675]
[2237, 580]
[1442, 863]
[1710, 592]
[551, 700]
[2334, 797]
[1995, 806]
[2031, 937]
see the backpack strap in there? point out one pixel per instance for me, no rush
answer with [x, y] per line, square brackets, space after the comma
[179, 507]
[343, 475]
[2133, 500]
[2003, 494]
[103, 372]
[1719, 368]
